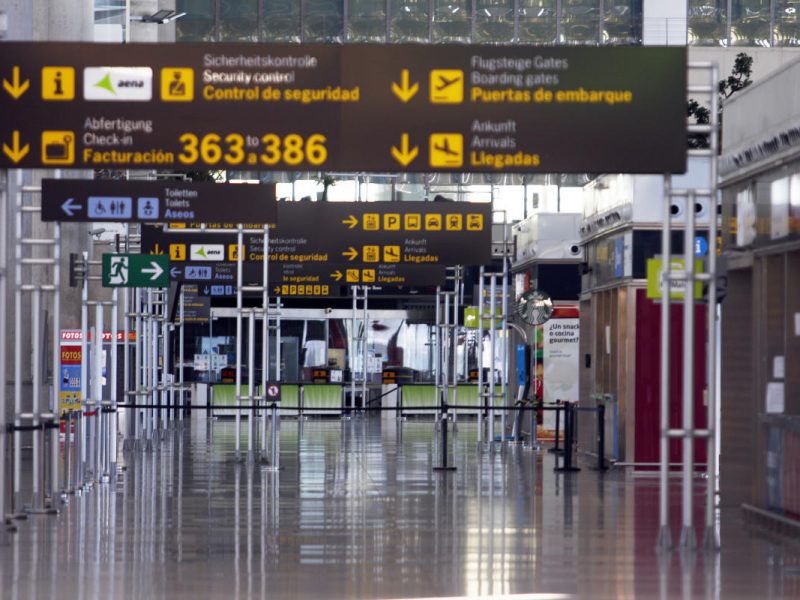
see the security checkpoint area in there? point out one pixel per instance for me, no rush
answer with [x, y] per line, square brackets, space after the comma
[299, 319]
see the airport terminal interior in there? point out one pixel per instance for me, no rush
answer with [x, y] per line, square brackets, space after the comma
[392, 299]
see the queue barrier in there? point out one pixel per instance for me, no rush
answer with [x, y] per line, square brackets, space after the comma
[570, 410]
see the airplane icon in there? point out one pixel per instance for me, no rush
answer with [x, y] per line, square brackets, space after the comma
[446, 83]
[445, 147]
[446, 86]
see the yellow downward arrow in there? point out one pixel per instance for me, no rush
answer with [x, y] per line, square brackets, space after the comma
[15, 152]
[16, 89]
[405, 155]
[404, 91]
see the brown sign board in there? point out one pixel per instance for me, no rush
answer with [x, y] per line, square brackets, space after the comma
[158, 201]
[350, 233]
[356, 107]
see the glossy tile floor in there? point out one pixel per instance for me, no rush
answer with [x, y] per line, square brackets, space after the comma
[357, 512]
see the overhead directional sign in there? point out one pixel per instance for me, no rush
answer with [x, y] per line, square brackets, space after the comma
[159, 201]
[370, 233]
[324, 107]
[302, 279]
[135, 270]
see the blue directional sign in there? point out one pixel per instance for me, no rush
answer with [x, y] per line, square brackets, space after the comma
[147, 208]
[198, 273]
[109, 208]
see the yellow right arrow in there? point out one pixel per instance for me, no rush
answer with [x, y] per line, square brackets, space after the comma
[15, 89]
[337, 275]
[351, 221]
[405, 155]
[15, 152]
[351, 253]
[404, 91]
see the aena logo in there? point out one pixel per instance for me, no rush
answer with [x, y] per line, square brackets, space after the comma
[118, 83]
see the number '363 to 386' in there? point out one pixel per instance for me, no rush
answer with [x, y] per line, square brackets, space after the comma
[273, 149]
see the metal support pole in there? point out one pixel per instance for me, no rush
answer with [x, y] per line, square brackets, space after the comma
[265, 356]
[97, 393]
[710, 536]
[4, 221]
[456, 286]
[82, 455]
[493, 349]
[181, 348]
[126, 367]
[238, 385]
[687, 531]
[664, 540]
[437, 350]
[55, 405]
[265, 341]
[112, 420]
[37, 504]
[506, 336]
[16, 499]
[154, 398]
[445, 347]
[481, 394]
[364, 349]
[164, 413]
[137, 413]
[251, 380]
[353, 342]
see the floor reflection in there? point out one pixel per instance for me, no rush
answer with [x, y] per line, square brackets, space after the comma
[357, 512]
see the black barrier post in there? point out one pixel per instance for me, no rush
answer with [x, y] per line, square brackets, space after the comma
[601, 437]
[569, 423]
[555, 449]
[444, 466]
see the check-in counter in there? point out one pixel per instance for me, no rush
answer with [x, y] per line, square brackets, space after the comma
[321, 399]
[224, 394]
[465, 394]
[418, 399]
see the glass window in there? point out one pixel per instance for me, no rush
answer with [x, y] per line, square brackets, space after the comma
[494, 21]
[580, 21]
[322, 21]
[366, 21]
[622, 22]
[787, 22]
[409, 20]
[198, 24]
[708, 22]
[537, 21]
[750, 22]
[452, 21]
[238, 20]
[109, 11]
[281, 22]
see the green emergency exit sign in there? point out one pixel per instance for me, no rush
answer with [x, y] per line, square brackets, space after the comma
[135, 270]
